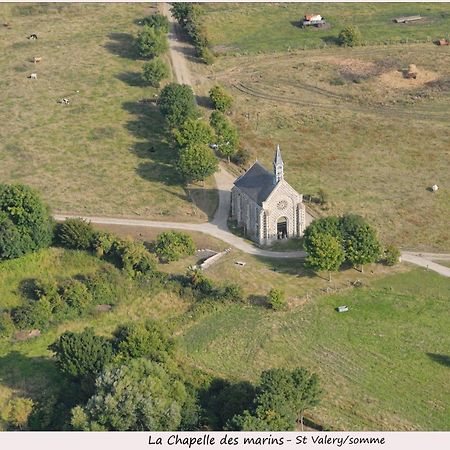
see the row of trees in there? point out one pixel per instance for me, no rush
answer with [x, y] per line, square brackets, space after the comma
[188, 15]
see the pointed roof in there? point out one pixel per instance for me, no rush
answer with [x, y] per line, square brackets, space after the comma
[257, 183]
[278, 159]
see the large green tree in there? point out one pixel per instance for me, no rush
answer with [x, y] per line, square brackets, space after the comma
[173, 245]
[227, 138]
[157, 21]
[177, 103]
[152, 42]
[197, 162]
[194, 132]
[221, 100]
[25, 222]
[138, 396]
[75, 233]
[155, 71]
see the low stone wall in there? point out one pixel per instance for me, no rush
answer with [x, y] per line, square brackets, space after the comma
[213, 259]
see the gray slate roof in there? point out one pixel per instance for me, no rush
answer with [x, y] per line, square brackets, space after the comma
[257, 183]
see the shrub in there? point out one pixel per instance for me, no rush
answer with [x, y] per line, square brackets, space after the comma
[241, 157]
[391, 255]
[35, 314]
[200, 282]
[48, 290]
[350, 36]
[157, 21]
[6, 325]
[206, 55]
[232, 293]
[148, 340]
[18, 411]
[220, 99]
[323, 196]
[25, 222]
[75, 234]
[177, 103]
[102, 243]
[132, 257]
[76, 296]
[102, 286]
[155, 71]
[152, 42]
[276, 299]
[173, 245]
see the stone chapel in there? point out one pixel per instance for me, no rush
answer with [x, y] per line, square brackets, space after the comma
[265, 205]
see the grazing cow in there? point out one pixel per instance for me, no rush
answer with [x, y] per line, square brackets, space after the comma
[32, 37]
[64, 101]
[33, 76]
[37, 59]
[6, 24]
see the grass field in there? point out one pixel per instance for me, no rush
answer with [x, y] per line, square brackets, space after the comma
[350, 124]
[105, 153]
[383, 365]
[252, 27]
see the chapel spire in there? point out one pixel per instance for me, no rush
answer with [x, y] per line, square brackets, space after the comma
[278, 166]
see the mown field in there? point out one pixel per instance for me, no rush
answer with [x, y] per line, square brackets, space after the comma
[105, 153]
[382, 365]
[349, 123]
[252, 27]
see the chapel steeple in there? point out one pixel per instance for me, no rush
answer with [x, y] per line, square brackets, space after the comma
[278, 166]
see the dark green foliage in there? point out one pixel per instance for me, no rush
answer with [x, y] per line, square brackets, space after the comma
[197, 162]
[173, 245]
[6, 325]
[241, 157]
[34, 314]
[206, 55]
[200, 282]
[325, 225]
[132, 257]
[227, 138]
[155, 71]
[220, 99]
[76, 296]
[231, 293]
[194, 132]
[360, 241]
[281, 399]
[148, 340]
[103, 286]
[157, 21]
[152, 42]
[82, 355]
[25, 222]
[391, 255]
[138, 396]
[75, 233]
[350, 36]
[177, 103]
[181, 12]
[48, 290]
[276, 299]
[102, 243]
[224, 400]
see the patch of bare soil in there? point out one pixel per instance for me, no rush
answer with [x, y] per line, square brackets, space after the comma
[354, 66]
[396, 79]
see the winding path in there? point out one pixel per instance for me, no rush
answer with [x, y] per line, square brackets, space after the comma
[218, 227]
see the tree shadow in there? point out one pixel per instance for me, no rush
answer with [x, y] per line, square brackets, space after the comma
[27, 287]
[441, 359]
[123, 45]
[188, 52]
[296, 23]
[330, 40]
[258, 300]
[132, 79]
[204, 101]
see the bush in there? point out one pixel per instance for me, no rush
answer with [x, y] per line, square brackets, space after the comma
[6, 325]
[155, 71]
[241, 157]
[276, 299]
[102, 243]
[102, 286]
[35, 314]
[391, 255]
[177, 103]
[48, 290]
[75, 234]
[231, 293]
[18, 411]
[200, 282]
[173, 245]
[76, 296]
[132, 257]
[152, 42]
[157, 21]
[350, 36]
[206, 55]
[220, 99]
[25, 222]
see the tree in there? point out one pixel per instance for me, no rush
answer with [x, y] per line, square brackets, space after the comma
[391, 255]
[76, 296]
[82, 355]
[132, 257]
[194, 132]
[181, 12]
[138, 396]
[34, 314]
[220, 99]
[75, 233]
[325, 225]
[177, 103]
[155, 71]
[360, 241]
[152, 42]
[157, 21]
[350, 36]
[18, 411]
[324, 253]
[276, 299]
[148, 340]
[196, 163]
[227, 137]
[30, 226]
[173, 245]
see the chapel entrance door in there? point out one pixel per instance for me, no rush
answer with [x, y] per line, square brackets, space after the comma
[282, 228]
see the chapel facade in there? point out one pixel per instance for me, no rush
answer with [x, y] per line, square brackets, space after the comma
[266, 206]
